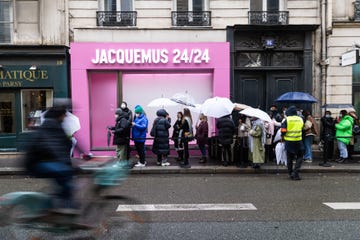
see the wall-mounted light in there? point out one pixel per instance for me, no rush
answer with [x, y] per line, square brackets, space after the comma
[1, 66]
[33, 67]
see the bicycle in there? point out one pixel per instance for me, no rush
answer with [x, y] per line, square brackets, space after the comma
[29, 215]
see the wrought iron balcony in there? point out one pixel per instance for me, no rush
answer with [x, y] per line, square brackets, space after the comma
[115, 18]
[190, 18]
[268, 18]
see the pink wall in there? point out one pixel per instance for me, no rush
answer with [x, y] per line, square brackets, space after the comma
[141, 56]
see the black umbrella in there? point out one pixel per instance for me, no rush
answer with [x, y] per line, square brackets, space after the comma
[108, 137]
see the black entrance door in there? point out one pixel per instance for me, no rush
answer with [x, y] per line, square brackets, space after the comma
[9, 103]
[250, 90]
[262, 89]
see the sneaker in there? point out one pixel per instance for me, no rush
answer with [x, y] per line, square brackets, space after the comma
[139, 164]
[308, 160]
[158, 163]
[164, 164]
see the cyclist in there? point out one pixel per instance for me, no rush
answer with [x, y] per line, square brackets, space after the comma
[48, 155]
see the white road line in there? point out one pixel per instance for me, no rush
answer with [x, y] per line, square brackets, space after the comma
[186, 207]
[343, 205]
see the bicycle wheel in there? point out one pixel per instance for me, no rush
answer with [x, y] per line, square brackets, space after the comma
[109, 224]
[100, 215]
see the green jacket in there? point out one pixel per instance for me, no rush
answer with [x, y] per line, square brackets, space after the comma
[344, 129]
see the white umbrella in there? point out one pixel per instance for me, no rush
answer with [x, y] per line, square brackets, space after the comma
[161, 102]
[183, 99]
[258, 113]
[217, 107]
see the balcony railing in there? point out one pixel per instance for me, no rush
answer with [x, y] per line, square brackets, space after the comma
[114, 18]
[190, 18]
[268, 18]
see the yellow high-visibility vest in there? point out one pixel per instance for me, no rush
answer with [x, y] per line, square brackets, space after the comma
[294, 127]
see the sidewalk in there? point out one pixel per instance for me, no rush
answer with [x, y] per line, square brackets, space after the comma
[10, 164]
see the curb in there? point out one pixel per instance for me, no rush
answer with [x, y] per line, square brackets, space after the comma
[213, 170]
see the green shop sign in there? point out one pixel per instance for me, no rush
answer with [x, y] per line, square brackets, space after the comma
[18, 76]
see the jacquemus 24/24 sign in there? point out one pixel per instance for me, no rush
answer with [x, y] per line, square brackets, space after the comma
[151, 56]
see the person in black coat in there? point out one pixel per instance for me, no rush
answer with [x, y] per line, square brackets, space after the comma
[176, 137]
[121, 132]
[129, 116]
[160, 132]
[328, 135]
[226, 128]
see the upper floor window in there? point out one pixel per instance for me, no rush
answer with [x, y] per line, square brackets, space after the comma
[116, 13]
[191, 5]
[268, 12]
[6, 21]
[118, 5]
[265, 5]
[191, 13]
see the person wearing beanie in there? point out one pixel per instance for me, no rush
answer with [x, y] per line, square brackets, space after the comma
[139, 109]
[291, 131]
[139, 128]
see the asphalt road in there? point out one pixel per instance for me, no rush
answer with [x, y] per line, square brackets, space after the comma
[284, 209]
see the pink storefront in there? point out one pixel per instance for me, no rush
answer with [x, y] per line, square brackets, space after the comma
[105, 74]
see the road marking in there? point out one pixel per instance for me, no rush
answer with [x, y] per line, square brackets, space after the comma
[343, 205]
[186, 207]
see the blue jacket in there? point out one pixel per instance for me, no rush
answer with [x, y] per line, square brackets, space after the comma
[139, 129]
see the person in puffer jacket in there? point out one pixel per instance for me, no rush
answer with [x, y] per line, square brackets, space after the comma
[139, 127]
[121, 132]
[160, 132]
[226, 128]
[343, 134]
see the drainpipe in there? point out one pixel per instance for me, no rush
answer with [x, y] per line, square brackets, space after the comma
[323, 62]
[67, 23]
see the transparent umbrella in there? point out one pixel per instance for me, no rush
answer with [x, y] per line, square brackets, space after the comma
[161, 103]
[183, 98]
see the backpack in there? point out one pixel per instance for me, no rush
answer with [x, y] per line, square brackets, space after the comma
[356, 129]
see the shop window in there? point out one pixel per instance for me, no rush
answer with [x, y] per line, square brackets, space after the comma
[6, 21]
[34, 102]
[7, 113]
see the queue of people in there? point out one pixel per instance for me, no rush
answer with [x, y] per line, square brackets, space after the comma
[249, 142]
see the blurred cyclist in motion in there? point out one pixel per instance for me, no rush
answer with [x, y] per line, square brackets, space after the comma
[48, 155]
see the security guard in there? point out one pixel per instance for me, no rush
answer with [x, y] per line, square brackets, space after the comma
[291, 131]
